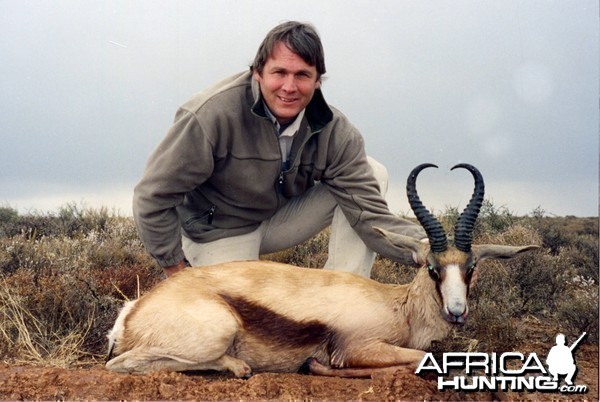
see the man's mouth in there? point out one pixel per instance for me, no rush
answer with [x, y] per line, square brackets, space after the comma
[286, 100]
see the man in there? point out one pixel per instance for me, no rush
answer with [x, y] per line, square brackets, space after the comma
[259, 163]
[560, 359]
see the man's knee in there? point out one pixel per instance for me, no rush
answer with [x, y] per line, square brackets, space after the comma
[381, 174]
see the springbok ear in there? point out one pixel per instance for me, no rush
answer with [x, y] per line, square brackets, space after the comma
[492, 251]
[417, 248]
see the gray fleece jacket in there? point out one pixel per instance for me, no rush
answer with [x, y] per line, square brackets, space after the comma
[218, 172]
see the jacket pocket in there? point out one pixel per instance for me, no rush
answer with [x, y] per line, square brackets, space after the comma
[200, 222]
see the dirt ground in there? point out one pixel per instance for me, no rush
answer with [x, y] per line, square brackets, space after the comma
[95, 383]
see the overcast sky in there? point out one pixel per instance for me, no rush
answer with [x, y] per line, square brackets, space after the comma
[88, 89]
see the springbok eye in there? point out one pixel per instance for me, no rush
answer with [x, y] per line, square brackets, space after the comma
[433, 272]
[470, 268]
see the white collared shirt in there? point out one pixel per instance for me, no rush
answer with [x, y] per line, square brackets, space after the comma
[286, 138]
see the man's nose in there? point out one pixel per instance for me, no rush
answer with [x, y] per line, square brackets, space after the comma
[289, 83]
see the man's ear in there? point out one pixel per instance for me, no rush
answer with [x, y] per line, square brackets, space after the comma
[256, 75]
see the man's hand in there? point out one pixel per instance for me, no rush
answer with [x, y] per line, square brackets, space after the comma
[174, 268]
[421, 259]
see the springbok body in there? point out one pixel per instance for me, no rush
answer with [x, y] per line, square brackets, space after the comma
[264, 316]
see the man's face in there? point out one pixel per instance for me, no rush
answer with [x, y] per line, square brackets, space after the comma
[287, 83]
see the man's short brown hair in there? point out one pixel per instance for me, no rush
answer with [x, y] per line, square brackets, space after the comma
[300, 38]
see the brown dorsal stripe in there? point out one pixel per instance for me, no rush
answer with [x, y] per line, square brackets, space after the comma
[265, 323]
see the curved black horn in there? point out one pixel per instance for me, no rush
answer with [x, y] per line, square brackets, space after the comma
[435, 232]
[463, 231]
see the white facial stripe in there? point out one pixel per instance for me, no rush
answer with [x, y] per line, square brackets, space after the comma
[454, 290]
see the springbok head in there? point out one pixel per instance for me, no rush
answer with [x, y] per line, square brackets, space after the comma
[450, 266]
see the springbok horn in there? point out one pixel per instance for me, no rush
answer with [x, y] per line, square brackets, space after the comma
[438, 241]
[463, 231]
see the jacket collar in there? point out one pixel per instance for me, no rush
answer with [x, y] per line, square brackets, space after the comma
[318, 113]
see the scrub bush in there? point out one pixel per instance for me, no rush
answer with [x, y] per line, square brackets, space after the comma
[64, 275]
[63, 278]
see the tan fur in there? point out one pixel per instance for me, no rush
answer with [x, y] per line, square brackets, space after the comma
[452, 256]
[265, 316]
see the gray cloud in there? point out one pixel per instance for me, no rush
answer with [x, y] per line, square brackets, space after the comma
[88, 90]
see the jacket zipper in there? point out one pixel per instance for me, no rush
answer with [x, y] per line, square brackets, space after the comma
[280, 178]
[291, 161]
[280, 182]
[211, 214]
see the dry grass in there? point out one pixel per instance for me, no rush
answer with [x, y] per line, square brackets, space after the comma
[26, 338]
[62, 280]
[64, 276]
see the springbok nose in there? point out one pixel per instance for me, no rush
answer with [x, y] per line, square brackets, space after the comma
[457, 314]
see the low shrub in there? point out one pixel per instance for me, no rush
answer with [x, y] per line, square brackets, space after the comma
[60, 292]
[63, 277]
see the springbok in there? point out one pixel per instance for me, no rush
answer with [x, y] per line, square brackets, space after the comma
[254, 316]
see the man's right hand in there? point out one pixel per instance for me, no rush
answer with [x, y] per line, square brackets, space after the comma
[174, 268]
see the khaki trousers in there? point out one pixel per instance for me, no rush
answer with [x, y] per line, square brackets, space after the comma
[300, 219]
